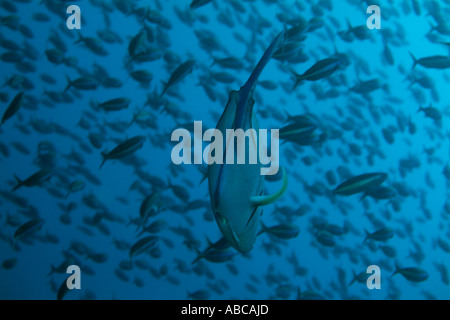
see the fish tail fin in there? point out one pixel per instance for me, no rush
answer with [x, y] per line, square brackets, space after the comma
[130, 221]
[137, 227]
[298, 79]
[349, 25]
[367, 235]
[420, 109]
[414, 60]
[354, 278]
[336, 51]
[18, 185]
[288, 115]
[52, 270]
[269, 199]
[397, 269]
[263, 229]
[209, 241]
[69, 83]
[141, 232]
[432, 27]
[67, 195]
[199, 256]
[131, 122]
[80, 38]
[105, 157]
[363, 196]
[203, 179]
[164, 90]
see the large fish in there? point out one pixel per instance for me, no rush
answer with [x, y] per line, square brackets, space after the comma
[236, 190]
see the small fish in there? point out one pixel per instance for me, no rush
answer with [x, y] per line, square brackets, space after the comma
[115, 104]
[300, 130]
[412, 274]
[360, 277]
[382, 234]
[361, 32]
[93, 44]
[155, 227]
[150, 207]
[124, 149]
[13, 107]
[321, 69]
[55, 56]
[178, 74]
[220, 245]
[97, 257]
[27, 229]
[75, 186]
[432, 62]
[82, 83]
[195, 4]
[181, 192]
[432, 113]
[380, 193]
[9, 263]
[360, 183]
[281, 231]
[325, 238]
[198, 295]
[144, 77]
[217, 255]
[63, 289]
[142, 245]
[229, 63]
[34, 180]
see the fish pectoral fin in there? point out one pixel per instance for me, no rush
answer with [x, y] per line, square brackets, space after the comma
[269, 199]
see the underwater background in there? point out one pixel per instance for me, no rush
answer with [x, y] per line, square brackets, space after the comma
[366, 121]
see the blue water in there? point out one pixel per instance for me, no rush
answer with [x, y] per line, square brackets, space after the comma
[418, 222]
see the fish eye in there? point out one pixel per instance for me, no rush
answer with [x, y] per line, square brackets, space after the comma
[220, 218]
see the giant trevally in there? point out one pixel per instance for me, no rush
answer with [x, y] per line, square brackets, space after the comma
[236, 191]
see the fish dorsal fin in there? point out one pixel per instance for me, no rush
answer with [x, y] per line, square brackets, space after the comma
[263, 61]
[247, 89]
[269, 199]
